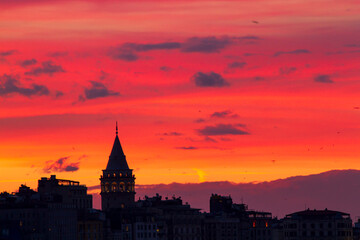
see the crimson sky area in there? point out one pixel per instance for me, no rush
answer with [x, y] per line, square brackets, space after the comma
[239, 91]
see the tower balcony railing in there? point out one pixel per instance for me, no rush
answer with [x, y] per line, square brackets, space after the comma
[117, 175]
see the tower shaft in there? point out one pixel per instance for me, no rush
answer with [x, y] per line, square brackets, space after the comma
[117, 180]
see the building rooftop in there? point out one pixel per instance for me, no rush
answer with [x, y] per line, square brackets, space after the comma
[117, 159]
[316, 214]
[59, 182]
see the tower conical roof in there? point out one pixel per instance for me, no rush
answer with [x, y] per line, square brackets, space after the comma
[117, 159]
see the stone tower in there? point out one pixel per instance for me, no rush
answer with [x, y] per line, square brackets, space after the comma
[117, 181]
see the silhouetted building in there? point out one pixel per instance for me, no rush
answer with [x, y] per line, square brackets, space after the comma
[117, 181]
[175, 220]
[119, 225]
[10, 230]
[133, 223]
[318, 224]
[65, 192]
[223, 227]
[90, 225]
[277, 230]
[356, 230]
[260, 225]
[229, 221]
[220, 204]
[146, 226]
[35, 219]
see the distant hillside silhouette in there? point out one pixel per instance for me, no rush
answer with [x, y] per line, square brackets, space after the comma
[336, 189]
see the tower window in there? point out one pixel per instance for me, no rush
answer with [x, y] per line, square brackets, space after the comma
[113, 187]
[122, 187]
[128, 187]
[107, 187]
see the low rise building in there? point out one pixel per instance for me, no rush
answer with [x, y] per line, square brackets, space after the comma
[318, 224]
[65, 192]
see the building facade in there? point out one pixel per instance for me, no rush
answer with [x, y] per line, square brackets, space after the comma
[66, 192]
[318, 225]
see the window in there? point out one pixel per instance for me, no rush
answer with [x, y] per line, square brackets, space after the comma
[122, 187]
[128, 187]
[107, 187]
[114, 187]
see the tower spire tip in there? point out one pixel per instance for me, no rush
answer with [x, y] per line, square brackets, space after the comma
[116, 128]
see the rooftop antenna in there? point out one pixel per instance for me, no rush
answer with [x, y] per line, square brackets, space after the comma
[116, 129]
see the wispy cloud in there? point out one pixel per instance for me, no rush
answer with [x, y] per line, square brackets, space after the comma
[97, 90]
[294, 52]
[287, 70]
[11, 85]
[47, 67]
[28, 62]
[165, 68]
[323, 79]
[61, 165]
[7, 53]
[236, 65]
[205, 44]
[187, 148]
[222, 129]
[224, 114]
[211, 44]
[210, 79]
[172, 134]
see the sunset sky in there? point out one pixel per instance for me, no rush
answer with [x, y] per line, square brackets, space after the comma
[238, 91]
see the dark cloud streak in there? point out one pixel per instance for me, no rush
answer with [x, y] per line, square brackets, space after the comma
[236, 65]
[172, 134]
[7, 53]
[187, 148]
[323, 79]
[224, 114]
[210, 79]
[28, 62]
[295, 52]
[98, 90]
[287, 70]
[205, 44]
[211, 44]
[221, 129]
[61, 165]
[148, 47]
[10, 85]
[47, 68]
